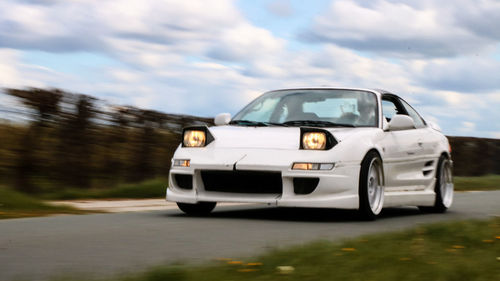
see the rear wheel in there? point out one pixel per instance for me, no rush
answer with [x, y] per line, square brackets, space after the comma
[443, 188]
[371, 189]
[198, 209]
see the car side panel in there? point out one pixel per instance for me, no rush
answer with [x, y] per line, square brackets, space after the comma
[404, 160]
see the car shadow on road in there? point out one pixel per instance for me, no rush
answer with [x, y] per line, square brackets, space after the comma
[299, 214]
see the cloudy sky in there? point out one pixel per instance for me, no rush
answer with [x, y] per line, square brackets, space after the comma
[203, 57]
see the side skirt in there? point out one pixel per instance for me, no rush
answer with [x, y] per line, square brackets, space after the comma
[409, 198]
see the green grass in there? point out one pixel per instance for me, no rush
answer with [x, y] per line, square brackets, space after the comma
[490, 182]
[467, 250]
[17, 205]
[154, 188]
[14, 204]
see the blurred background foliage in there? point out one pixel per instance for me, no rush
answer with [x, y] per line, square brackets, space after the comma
[52, 140]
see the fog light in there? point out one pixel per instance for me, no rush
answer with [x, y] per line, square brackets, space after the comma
[313, 166]
[181, 163]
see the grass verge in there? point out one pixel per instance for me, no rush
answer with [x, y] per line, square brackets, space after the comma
[466, 250]
[17, 205]
[489, 182]
[154, 188]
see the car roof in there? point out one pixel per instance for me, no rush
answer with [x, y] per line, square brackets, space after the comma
[378, 92]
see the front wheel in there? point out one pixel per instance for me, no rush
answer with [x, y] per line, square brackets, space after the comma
[198, 209]
[371, 189]
[443, 188]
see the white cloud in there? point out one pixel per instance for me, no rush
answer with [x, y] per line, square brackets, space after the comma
[10, 76]
[15, 73]
[245, 42]
[281, 8]
[126, 75]
[474, 74]
[409, 28]
[468, 126]
[146, 33]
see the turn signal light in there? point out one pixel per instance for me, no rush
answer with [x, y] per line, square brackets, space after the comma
[313, 166]
[181, 163]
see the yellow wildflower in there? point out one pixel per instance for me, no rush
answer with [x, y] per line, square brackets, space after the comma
[348, 249]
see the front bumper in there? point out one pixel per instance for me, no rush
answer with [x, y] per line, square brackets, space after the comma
[336, 188]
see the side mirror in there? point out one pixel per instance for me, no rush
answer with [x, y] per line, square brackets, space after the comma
[401, 122]
[222, 119]
[385, 124]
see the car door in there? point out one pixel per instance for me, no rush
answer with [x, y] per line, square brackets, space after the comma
[403, 151]
[428, 141]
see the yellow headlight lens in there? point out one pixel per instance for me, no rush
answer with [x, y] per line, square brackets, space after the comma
[194, 138]
[314, 140]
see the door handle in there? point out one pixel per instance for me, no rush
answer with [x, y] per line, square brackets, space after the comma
[420, 143]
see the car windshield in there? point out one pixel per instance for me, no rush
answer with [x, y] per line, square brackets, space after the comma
[311, 107]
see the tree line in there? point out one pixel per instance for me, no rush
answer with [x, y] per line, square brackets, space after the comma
[50, 138]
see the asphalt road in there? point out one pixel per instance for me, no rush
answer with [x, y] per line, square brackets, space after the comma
[104, 244]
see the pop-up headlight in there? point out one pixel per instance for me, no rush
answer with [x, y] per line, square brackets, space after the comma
[196, 137]
[316, 139]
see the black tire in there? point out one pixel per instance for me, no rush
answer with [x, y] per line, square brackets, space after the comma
[198, 209]
[440, 202]
[370, 204]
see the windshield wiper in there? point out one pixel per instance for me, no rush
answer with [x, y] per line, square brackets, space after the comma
[318, 123]
[255, 123]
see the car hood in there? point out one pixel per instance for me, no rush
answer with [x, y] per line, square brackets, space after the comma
[267, 137]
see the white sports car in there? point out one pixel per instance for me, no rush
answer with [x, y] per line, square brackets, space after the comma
[315, 147]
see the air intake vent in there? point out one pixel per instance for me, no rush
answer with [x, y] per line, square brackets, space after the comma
[304, 185]
[429, 168]
[243, 181]
[184, 181]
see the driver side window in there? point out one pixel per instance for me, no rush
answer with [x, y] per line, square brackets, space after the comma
[419, 122]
